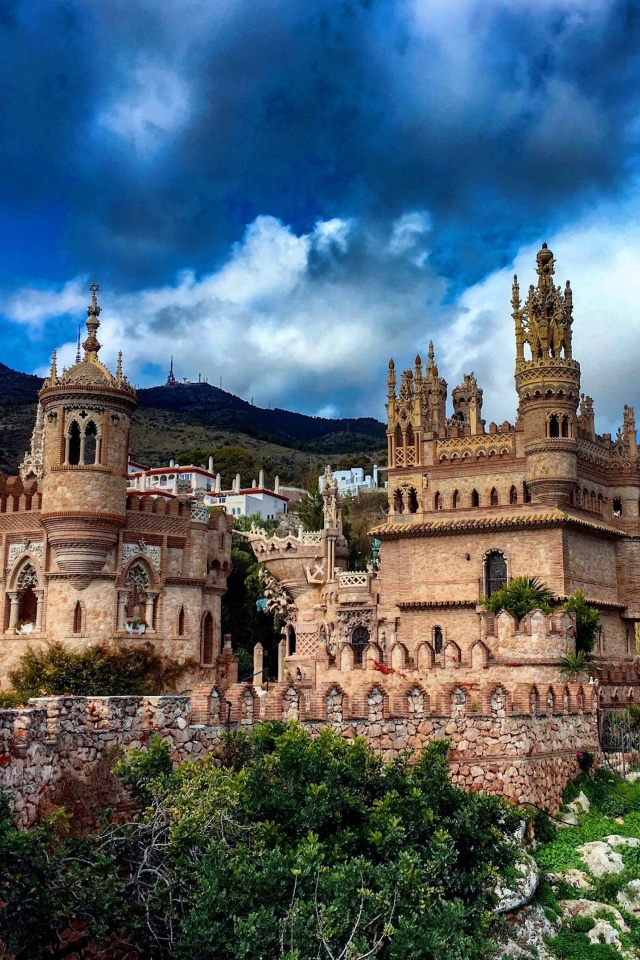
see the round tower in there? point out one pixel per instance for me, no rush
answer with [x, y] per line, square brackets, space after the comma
[86, 417]
[548, 384]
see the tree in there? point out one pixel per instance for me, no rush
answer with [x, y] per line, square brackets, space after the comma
[283, 846]
[587, 622]
[520, 596]
[310, 511]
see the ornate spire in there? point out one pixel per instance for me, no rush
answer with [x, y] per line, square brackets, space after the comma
[544, 321]
[91, 344]
[78, 353]
[432, 370]
[53, 375]
[119, 370]
[391, 381]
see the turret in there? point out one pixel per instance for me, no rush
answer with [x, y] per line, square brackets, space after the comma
[548, 383]
[467, 403]
[434, 396]
[86, 419]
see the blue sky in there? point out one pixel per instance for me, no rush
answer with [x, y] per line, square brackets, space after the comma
[284, 193]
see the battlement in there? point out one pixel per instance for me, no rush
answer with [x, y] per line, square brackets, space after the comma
[17, 496]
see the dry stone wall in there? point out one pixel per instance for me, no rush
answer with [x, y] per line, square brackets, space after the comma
[60, 739]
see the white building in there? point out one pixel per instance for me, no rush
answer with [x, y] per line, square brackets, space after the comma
[164, 480]
[350, 482]
[249, 501]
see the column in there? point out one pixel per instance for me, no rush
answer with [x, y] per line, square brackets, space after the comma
[39, 607]
[148, 611]
[282, 653]
[13, 612]
[258, 665]
[122, 600]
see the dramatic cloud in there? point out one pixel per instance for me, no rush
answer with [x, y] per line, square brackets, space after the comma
[284, 194]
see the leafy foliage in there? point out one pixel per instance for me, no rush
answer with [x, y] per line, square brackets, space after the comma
[520, 596]
[99, 671]
[587, 622]
[281, 847]
[571, 665]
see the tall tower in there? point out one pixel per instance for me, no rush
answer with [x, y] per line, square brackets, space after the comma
[86, 415]
[548, 383]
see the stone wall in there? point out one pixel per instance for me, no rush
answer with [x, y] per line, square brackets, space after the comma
[527, 758]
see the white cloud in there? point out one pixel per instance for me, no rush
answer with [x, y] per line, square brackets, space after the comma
[600, 255]
[32, 307]
[155, 106]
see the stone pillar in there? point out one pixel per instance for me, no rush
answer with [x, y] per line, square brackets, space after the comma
[148, 611]
[258, 665]
[13, 612]
[39, 605]
[122, 600]
[282, 653]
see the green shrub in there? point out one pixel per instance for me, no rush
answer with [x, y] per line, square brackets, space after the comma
[520, 596]
[587, 622]
[97, 671]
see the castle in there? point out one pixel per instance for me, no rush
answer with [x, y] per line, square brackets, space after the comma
[402, 653]
[83, 561]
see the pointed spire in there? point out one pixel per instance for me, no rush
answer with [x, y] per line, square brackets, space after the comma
[91, 344]
[78, 351]
[391, 381]
[53, 376]
[119, 370]
[432, 369]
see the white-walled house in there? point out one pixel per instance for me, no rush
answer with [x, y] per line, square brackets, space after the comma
[350, 482]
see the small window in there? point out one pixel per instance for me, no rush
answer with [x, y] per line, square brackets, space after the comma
[181, 622]
[554, 426]
[475, 498]
[617, 507]
[359, 642]
[90, 443]
[565, 426]
[437, 639]
[455, 500]
[77, 618]
[494, 498]
[513, 495]
[413, 501]
[437, 502]
[495, 572]
[73, 455]
[526, 493]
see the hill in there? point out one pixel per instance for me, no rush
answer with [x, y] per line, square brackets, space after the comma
[173, 420]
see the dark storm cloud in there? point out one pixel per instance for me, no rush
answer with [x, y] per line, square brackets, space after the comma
[156, 132]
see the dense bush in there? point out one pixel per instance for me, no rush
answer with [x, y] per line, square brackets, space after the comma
[281, 847]
[520, 596]
[96, 671]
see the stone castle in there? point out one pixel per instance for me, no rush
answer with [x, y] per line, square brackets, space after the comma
[83, 561]
[401, 653]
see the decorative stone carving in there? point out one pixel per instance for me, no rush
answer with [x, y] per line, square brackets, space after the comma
[34, 549]
[152, 553]
[199, 514]
[348, 620]
[279, 602]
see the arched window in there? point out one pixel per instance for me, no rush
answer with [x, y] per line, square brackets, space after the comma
[73, 443]
[437, 502]
[437, 639]
[455, 500]
[90, 443]
[291, 641]
[207, 639]
[398, 501]
[513, 495]
[475, 498]
[554, 426]
[27, 600]
[617, 507]
[494, 497]
[413, 501]
[495, 572]
[77, 618]
[359, 641]
[593, 501]
[138, 583]
[526, 493]
[181, 622]
[565, 427]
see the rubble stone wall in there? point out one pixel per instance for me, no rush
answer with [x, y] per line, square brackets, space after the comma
[525, 758]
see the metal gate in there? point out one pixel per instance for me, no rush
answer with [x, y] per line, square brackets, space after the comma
[619, 732]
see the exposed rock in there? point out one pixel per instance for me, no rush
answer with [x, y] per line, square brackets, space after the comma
[529, 929]
[629, 898]
[589, 908]
[614, 840]
[600, 858]
[575, 878]
[510, 898]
